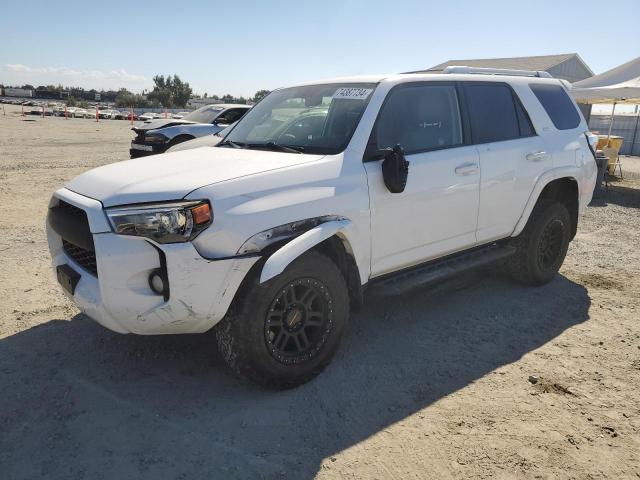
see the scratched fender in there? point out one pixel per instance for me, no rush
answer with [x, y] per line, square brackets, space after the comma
[277, 262]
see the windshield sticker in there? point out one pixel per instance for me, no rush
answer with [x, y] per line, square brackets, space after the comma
[353, 93]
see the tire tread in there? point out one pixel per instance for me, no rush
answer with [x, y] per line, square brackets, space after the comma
[235, 347]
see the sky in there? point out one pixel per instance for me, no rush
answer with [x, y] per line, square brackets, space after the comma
[241, 46]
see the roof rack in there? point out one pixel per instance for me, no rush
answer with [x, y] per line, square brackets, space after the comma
[497, 71]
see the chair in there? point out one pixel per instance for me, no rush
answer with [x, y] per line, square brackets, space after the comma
[618, 164]
[611, 153]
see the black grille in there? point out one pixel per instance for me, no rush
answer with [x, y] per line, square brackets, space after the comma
[73, 210]
[82, 257]
[71, 223]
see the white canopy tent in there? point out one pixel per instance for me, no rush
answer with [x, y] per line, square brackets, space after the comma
[618, 85]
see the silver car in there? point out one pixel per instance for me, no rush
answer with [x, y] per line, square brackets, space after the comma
[157, 136]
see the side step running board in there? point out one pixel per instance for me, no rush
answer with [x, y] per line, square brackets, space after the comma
[440, 269]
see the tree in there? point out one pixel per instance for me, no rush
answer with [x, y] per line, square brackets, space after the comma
[181, 92]
[170, 91]
[260, 94]
[127, 99]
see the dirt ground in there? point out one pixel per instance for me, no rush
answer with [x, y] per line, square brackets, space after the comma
[478, 378]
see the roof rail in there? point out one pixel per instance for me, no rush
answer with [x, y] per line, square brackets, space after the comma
[497, 71]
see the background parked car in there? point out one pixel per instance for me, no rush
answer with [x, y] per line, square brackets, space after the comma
[105, 114]
[149, 116]
[35, 110]
[129, 116]
[156, 136]
[204, 141]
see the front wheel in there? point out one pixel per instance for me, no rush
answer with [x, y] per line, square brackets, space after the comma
[284, 332]
[542, 245]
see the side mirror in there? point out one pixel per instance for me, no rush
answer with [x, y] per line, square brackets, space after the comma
[395, 168]
[221, 121]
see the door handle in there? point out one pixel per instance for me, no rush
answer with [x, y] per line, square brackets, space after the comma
[467, 168]
[537, 156]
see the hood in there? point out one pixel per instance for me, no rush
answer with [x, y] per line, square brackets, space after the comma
[171, 176]
[159, 123]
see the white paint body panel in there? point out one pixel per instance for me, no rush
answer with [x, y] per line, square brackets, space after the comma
[251, 191]
[435, 215]
[507, 180]
[279, 260]
[173, 175]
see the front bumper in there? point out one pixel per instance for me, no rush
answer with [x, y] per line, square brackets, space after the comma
[133, 153]
[120, 298]
[155, 149]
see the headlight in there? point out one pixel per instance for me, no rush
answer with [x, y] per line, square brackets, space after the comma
[162, 222]
[155, 138]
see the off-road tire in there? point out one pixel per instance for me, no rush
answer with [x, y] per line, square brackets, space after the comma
[525, 266]
[243, 336]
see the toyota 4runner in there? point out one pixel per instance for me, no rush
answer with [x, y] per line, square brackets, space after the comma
[318, 192]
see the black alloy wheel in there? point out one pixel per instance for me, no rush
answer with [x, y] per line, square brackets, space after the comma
[299, 321]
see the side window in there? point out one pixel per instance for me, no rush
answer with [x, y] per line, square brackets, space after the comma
[236, 114]
[557, 104]
[231, 116]
[420, 118]
[492, 113]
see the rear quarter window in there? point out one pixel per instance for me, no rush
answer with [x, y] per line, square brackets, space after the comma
[557, 104]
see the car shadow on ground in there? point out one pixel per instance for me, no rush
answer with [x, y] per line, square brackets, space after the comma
[624, 196]
[78, 401]
[618, 194]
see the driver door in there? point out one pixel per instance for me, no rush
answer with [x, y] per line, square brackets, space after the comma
[437, 213]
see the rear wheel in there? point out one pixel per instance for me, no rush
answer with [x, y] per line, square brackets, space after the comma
[284, 332]
[542, 245]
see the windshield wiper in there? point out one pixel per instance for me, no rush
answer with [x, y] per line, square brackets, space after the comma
[276, 146]
[232, 144]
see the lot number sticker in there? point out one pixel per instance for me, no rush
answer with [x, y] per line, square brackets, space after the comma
[353, 93]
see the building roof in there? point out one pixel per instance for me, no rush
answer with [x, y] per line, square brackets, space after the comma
[541, 62]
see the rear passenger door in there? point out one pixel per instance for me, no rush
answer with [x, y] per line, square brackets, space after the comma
[437, 212]
[512, 156]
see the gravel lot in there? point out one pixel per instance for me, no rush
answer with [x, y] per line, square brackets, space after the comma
[478, 378]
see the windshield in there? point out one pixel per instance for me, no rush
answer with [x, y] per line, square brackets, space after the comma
[204, 114]
[311, 119]
[225, 130]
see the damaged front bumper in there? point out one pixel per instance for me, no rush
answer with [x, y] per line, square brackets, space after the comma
[119, 296]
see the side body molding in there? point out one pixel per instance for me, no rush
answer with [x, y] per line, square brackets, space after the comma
[543, 181]
[277, 262]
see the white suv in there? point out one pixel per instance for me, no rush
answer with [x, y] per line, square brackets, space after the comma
[319, 192]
